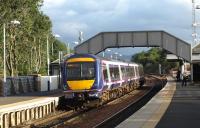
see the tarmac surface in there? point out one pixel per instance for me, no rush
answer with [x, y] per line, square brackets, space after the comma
[173, 107]
[183, 111]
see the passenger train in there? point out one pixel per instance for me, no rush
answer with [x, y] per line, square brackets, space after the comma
[87, 77]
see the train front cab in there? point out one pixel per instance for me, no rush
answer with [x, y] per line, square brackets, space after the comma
[81, 77]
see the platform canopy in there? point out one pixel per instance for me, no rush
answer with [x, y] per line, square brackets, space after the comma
[119, 39]
[196, 48]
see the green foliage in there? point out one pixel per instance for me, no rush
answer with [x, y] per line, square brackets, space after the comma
[57, 46]
[26, 44]
[151, 60]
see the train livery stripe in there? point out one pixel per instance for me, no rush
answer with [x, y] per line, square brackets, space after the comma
[81, 60]
[80, 84]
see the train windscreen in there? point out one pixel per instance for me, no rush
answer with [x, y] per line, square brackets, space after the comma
[80, 71]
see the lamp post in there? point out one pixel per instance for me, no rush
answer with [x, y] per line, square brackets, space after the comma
[80, 38]
[68, 49]
[75, 43]
[194, 23]
[103, 52]
[15, 22]
[48, 55]
[4, 56]
[56, 36]
[60, 55]
[111, 54]
[120, 55]
[4, 52]
[116, 53]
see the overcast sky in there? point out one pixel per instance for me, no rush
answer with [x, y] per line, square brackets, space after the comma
[94, 16]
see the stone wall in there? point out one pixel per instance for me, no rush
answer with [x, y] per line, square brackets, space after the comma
[18, 85]
[26, 84]
[1, 87]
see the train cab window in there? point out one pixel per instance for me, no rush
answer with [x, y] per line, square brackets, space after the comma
[88, 70]
[73, 71]
[80, 71]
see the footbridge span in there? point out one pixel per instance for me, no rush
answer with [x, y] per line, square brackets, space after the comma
[119, 39]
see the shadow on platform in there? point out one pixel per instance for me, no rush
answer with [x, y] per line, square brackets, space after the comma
[183, 111]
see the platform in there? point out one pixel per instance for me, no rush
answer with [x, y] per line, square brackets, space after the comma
[173, 107]
[28, 96]
[15, 110]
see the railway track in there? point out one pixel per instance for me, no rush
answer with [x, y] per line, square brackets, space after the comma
[108, 115]
[130, 109]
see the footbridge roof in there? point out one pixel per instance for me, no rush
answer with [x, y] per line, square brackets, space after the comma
[119, 39]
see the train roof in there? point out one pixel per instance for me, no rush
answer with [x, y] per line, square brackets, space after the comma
[106, 60]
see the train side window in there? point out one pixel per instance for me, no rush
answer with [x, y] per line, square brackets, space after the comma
[129, 72]
[105, 73]
[111, 72]
[123, 72]
[126, 68]
[140, 70]
[137, 72]
[114, 72]
[133, 71]
[130, 68]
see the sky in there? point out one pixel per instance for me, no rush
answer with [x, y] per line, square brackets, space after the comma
[94, 16]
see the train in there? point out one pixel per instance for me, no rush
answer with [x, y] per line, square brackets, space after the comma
[88, 78]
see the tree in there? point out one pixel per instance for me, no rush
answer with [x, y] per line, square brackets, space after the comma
[57, 46]
[151, 60]
[26, 43]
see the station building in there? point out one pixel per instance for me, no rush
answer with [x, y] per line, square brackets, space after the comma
[196, 62]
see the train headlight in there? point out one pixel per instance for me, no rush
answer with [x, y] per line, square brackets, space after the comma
[96, 94]
[65, 87]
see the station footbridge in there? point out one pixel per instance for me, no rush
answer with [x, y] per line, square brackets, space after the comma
[162, 39]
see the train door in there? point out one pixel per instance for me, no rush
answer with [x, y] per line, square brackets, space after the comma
[120, 72]
[105, 75]
[135, 71]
